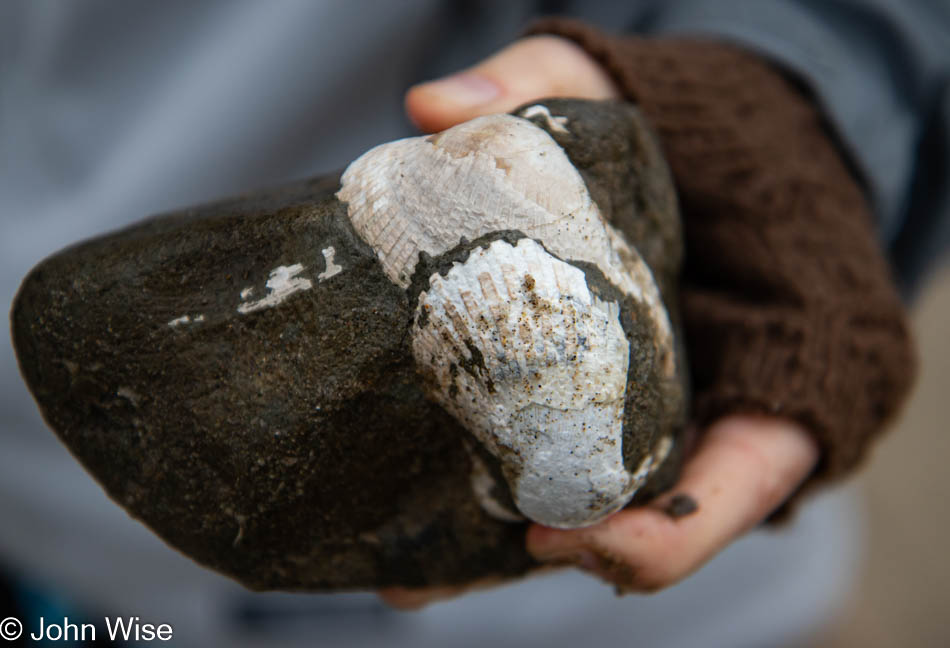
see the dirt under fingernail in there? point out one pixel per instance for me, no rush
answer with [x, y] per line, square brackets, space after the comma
[680, 505]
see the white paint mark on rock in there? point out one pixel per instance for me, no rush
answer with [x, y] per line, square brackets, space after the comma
[555, 123]
[663, 450]
[332, 268]
[128, 394]
[652, 462]
[247, 292]
[186, 319]
[483, 485]
[282, 283]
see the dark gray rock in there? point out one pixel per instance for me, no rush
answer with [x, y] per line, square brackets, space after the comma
[291, 447]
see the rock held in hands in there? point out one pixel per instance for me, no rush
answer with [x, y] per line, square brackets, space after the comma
[378, 379]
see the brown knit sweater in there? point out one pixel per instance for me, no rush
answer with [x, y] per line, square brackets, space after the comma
[789, 306]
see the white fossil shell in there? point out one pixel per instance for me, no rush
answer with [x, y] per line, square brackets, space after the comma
[512, 339]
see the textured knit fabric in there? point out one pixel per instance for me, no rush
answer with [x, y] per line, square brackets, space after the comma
[789, 305]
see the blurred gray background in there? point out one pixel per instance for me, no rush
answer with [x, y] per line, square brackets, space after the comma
[902, 597]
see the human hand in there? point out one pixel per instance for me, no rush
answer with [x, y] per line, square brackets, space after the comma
[531, 68]
[745, 467]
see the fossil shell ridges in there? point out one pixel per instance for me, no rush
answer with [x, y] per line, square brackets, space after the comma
[550, 368]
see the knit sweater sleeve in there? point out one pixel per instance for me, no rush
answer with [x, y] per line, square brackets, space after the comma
[788, 301]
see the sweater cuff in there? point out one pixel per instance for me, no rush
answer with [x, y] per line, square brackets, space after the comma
[789, 307]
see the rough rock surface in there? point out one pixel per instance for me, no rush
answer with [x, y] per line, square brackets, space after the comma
[239, 377]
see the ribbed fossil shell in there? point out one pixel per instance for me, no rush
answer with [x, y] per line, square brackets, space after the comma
[532, 363]
[512, 339]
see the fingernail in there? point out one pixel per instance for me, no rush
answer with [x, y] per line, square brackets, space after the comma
[465, 88]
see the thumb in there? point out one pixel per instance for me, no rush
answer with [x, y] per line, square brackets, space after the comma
[532, 68]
